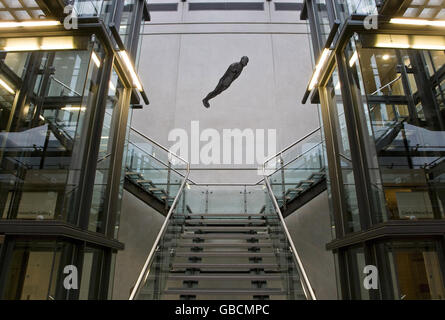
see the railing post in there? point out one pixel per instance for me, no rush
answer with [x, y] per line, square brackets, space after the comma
[207, 200]
[168, 185]
[245, 199]
[283, 183]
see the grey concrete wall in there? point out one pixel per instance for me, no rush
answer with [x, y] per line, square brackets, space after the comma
[139, 226]
[310, 229]
[184, 53]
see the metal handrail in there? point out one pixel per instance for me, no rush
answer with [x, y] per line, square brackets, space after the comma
[292, 145]
[65, 86]
[149, 261]
[296, 158]
[305, 280]
[386, 85]
[227, 184]
[156, 159]
[159, 145]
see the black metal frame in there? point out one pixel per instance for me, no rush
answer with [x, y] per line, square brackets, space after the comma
[372, 231]
[76, 231]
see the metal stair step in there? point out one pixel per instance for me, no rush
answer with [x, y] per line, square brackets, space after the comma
[294, 190]
[317, 175]
[225, 253]
[225, 236]
[234, 291]
[224, 276]
[218, 215]
[224, 221]
[307, 181]
[224, 245]
[131, 173]
[144, 181]
[225, 266]
[154, 189]
[227, 228]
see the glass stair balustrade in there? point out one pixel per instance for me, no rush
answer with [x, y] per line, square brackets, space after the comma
[153, 168]
[221, 242]
[299, 168]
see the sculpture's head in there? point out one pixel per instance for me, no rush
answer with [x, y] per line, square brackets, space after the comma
[244, 61]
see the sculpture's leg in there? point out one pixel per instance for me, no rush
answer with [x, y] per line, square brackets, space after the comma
[219, 88]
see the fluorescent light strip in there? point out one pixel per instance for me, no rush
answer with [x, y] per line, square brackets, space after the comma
[131, 69]
[427, 47]
[22, 48]
[37, 47]
[353, 59]
[6, 87]
[95, 59]
[408, 46]
[43, 23]
[418, 22]
[392, 45]
[39, 43]
[56, 47]
[74, 108]
[324, 57]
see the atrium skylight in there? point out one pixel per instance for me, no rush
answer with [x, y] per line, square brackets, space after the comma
[20, 10]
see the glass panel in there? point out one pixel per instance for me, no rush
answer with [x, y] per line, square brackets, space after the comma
[404, 91]
[63, 257]
[345, 8]
[333, 90]
[298, 169]
[114, 105]
[364, 115]
[417, 9]
[356, 265]
[91, 273]
[259, 247]
[127, 20]
[322, 19]
[416, 269]
[123, 172]
[112, 273]
[104, 9]
[153, 168]
[42, 131]
[29, 271]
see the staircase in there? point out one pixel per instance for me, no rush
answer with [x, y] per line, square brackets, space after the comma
[218, 241]
[228, 256]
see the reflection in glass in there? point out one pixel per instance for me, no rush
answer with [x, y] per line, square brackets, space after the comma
[42, 132]
[335, 102]
[416, 271]
[405, 95]
[356, 264]
[107, 141]
[29, 272]
[91, 273]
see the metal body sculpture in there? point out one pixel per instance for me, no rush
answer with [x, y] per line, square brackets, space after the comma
[232, 73]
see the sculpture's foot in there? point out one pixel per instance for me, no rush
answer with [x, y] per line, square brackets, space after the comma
[206, 103]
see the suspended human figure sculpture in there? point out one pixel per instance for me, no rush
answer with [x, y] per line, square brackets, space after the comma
[232, 73]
